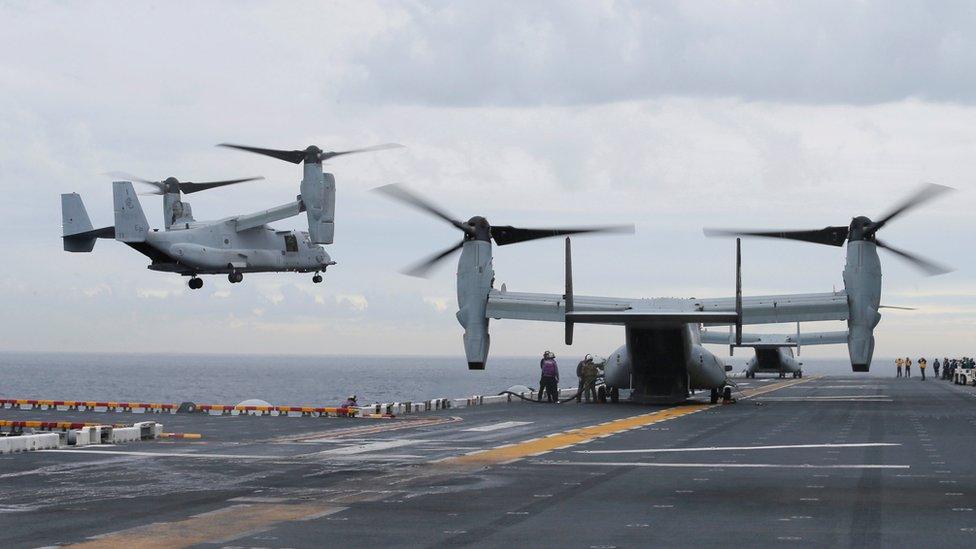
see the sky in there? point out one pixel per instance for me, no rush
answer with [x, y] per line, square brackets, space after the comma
[674, 116]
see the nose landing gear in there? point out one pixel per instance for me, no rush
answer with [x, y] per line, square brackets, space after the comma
[234, 278]
[195, 283]
[317, 279]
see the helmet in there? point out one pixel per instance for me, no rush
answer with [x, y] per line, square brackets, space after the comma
[588, 357]
[548, 354]
[352, 397]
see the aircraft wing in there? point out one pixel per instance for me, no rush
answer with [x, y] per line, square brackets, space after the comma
[257, 219]
[776, 309]
[602, 310]
[612, 310]
[777, 340]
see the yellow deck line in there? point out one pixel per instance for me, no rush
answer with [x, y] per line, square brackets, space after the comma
[218, 526]
[573, 437]
[749, 393]
[534, 447]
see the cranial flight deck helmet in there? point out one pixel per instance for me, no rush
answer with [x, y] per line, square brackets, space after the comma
[548, 354]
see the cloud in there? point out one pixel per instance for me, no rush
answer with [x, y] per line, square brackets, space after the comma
[585, 53]
[674, 116]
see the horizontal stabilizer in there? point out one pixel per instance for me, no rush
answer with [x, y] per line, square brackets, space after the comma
[78, 234]
[632, 317]
[85, 242]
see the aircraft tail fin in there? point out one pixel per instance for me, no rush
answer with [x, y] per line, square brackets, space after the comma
[130, 220]
[77, 231]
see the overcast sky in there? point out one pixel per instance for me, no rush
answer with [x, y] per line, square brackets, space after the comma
[671, 115]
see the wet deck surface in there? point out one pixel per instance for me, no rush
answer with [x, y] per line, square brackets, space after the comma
[860, 462]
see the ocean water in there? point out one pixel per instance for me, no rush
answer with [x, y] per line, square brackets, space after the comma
[293, 380]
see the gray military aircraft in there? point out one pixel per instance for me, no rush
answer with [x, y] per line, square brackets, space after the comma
[663, 358]
[234, 245]
[774, 352]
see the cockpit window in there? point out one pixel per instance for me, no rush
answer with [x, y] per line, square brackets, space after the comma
[291, 243]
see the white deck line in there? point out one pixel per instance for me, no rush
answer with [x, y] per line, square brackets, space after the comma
[728, 448]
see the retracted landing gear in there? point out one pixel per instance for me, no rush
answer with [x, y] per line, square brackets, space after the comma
[195, 283]
[317, 278]
[234, 278]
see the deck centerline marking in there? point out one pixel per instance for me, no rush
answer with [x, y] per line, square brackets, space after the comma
[364, 448]
[572, 437]
[732, 448]
[724, 465]
[497, 426]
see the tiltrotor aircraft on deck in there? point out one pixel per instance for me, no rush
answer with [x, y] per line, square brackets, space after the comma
[234, 245]
[663, 358]
[774, 352]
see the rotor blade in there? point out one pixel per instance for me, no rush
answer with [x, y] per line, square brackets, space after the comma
[191, 187]
[384, 146]
[129, 177]
[924, 194]
[831, 236]
[421, 268]
[930, 267]
[506, 234]
[399, 192]
[295, 157]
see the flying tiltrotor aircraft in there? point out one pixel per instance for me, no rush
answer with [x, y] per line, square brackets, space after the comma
[234, 245]
[663, 358]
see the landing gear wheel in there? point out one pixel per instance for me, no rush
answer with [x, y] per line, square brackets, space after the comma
[195, 283]
[727, 394]
[714, 398]
[800, 374]
[614, 395]
[317, 279]
[601, 394]
[234, 278]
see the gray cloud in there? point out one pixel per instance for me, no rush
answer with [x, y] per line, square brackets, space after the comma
[535, 53]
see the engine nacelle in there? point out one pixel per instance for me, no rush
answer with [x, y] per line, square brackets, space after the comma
[474, 280]
[617, 371]
[318, 197]
[862, 282]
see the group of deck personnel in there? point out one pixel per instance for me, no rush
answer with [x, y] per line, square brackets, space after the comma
[587, 371]
[948, 366]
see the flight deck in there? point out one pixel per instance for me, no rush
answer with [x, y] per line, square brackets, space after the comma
[838, 461]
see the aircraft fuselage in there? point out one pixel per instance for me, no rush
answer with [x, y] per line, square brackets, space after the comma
[779, 360]
[216, 247]
[662, 365]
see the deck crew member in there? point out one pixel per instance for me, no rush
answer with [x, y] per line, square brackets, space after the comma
[908, 367]
[587, 372]
[549, 382]
[899, 362]
[350, 402]
[921, 366]
[935, 368]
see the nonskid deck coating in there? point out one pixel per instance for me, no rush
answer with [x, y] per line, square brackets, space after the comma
[857, 471]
